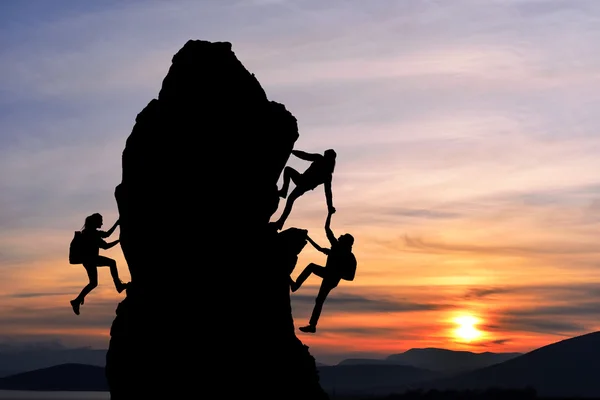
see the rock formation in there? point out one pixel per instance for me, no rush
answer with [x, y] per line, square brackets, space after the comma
[208, 308]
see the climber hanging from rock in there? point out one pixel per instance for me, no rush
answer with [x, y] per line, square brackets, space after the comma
[319, 172]
[341, 264]
[85, 248]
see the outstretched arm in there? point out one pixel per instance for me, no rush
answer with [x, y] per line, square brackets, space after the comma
[328, 231]
[329, 196]
[316, 246]
[110, 231]
[306, 156]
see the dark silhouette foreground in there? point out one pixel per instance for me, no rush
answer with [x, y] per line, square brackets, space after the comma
[341, 264]
[202, 164]
[85, 249]
[290, 244]
[488, 394]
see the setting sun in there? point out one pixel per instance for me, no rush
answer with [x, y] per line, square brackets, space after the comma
[466, 328]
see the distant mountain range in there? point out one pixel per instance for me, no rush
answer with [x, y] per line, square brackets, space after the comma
[16, 360]
[13, 361]
[439, 360]
[568, 368]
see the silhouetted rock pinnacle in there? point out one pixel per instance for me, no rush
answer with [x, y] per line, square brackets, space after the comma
[209, 295]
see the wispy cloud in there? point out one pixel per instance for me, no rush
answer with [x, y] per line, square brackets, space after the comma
[39, 294]
[97, 316]
[548, 326]
[354, 303]
[478, 293]
[466, 134]
[419, 244]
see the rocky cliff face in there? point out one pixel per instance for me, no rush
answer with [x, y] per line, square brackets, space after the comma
[208, 307]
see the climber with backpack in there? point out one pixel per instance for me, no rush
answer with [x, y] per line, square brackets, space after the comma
[341, 264]
[85, 248]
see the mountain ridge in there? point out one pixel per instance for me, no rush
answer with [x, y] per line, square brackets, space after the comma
[567, 368]
[437, 359]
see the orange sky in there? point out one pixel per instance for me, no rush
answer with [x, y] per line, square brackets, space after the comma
[467, 171]
[410, 288]
[526, 288]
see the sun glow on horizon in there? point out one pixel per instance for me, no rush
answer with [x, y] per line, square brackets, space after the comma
[466, 328]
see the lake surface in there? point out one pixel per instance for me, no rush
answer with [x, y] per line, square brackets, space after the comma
[33, 395]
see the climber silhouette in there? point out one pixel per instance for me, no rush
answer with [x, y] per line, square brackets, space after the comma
[85, 250]
[319, 172]
[341, 264]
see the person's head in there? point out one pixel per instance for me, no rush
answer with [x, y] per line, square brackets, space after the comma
[93, 221]
[330, 153]
[346, 240]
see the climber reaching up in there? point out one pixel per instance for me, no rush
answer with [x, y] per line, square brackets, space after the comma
[85, 249]
[340, 264]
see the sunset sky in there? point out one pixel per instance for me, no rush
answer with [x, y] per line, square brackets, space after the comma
[468, 167]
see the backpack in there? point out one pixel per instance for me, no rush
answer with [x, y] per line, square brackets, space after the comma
[349, 268]
[77, 249]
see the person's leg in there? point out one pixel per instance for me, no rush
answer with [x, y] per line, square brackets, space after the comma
[92, 273]
[289, 173]
[297, 192]
[311, 268]
[319, 301]
[114, 272]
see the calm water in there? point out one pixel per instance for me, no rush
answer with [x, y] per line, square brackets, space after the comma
[26, 395]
